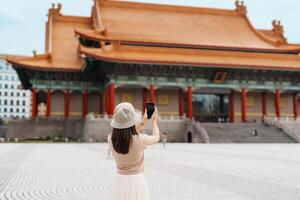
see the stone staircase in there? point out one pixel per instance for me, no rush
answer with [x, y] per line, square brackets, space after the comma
[242, 133]
[290, 126]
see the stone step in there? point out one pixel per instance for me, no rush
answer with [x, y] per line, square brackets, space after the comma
[242, 133]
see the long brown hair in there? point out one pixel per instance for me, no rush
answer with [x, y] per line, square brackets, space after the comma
[122, 139]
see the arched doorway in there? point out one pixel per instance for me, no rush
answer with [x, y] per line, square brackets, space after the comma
[189, 137]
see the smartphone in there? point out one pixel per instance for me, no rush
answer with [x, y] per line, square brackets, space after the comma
[150, 109]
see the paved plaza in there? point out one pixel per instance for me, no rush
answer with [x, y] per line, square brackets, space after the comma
[183, 171]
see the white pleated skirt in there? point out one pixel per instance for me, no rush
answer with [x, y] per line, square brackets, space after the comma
[130, 187]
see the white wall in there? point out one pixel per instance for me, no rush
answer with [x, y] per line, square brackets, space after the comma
[13, 101]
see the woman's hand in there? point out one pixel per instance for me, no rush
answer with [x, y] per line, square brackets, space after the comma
[155, 137]
[145, 116]
[155, 116]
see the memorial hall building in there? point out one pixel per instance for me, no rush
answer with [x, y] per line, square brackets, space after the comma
[200, 63]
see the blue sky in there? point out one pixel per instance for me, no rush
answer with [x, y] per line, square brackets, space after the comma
[22, 22]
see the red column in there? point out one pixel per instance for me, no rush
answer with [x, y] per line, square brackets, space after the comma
[105, 101]
[243, 105]
[151, 94]
[264, 104]
[67, 104]
[190, 102]
[231, 107]
[110, 99]
[100, 103]
[144, 98]
[277, 103]
[34, 104]
[84, 103]
[295, 102]
[180, 102]
[48, 102]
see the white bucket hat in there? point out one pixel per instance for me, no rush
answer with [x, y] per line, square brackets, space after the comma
[125, 116]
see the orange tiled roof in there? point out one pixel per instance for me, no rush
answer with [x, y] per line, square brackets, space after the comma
[179, 26]
[192, 57]
[5, 56]
[140, 23]
[270, 34]
[60, 45]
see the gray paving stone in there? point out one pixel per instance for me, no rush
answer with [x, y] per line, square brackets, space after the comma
[181, 172]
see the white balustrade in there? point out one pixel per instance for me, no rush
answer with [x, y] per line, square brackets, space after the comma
[291, 126]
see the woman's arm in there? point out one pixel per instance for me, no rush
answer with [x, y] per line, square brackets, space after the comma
[139, 126]
[155, 137]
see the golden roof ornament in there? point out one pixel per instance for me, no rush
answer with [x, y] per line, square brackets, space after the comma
[34, 53]
[55, 11]
[278, 31]
[59, 6]
[277, 27]
[240, 7]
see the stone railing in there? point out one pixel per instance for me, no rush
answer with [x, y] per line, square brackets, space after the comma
[199, 133]
[44, 129]
[161, 117]
[291, 126]
[203, 134]
[97, 127]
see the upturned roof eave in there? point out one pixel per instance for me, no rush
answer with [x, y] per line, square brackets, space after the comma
[112, 56]
[294, 49]
[34, 63]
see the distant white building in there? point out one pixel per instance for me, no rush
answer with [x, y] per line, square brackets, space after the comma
[14, 102]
